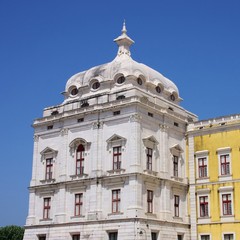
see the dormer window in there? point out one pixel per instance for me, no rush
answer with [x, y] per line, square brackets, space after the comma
[172, 97]
[158, 89]
[139, 81]
[121, 80]
[95, 85]
[74, 91]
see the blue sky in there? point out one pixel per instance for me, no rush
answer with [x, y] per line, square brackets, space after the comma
[45, 42]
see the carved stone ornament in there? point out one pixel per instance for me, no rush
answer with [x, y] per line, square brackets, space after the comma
[98, 125]
[135, 118]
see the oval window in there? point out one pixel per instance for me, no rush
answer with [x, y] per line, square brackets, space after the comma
[74, 91]
[172, 97]
[158, 89]
[139, 81]
[121, 80]
[95, 85]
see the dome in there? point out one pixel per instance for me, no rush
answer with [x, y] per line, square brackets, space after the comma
[122, 65]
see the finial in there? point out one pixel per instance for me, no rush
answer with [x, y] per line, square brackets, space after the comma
[124, 42]
[124, 30]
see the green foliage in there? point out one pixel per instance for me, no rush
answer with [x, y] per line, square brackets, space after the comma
[11, 233]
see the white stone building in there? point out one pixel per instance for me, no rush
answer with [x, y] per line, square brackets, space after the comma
[109, 162]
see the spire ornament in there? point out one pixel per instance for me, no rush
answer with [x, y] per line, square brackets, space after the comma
[124, 42]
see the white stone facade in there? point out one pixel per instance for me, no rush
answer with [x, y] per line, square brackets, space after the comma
[133, 136]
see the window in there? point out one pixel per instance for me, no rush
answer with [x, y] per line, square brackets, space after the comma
[158, 89]
[95, 85]
[139, 81]
[150, 114]
[227, 204]
[121, 80]
[49, 169]
[176, 205]
[120, 97]
[116, 198]
[202, 167]
[205, 237]
[225, 164]
[80, 120]
[80, 160]
[49, 127]
[172, 97]
[112, 235]
[116, 113]
[228, 236]
[175, 166]
[149, 158]
[117, 157]
[203, 204]
[153, 236]
[42, 237]
[46, 208]
[149, 201]
[180, 237]
[76, 237]
[78, 204]
[74, 91]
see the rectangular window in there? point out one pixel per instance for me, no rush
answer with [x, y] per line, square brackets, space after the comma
[225, 164]
[202, 167]
[76, 237]
[150, 114]
[227, 204]
[113, 235]
[149, 158]
[117, 157]
[42, 237]
[149, 201]
[176, 205]
[153, 236]
[228, 237]
[205, 237]
[46, 208]
[175, 166]
[180, 237]
[116, 113]
[78, 204]
[203, 201]
[49, 169]
[116, 198]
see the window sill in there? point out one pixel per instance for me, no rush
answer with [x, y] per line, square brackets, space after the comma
[150, 172]
[151, 214]
[224, 177]
[227, 218]
[178, 219]
[48, 181]
[77, 217]
[78, 176]
[45, 220]
[116, 171]
[202, 180]
[115, 214]
[202, 220]
[179, 179]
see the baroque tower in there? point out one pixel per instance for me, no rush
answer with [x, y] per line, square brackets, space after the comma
[109, 162]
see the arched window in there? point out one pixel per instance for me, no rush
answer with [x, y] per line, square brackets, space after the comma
[80, 160]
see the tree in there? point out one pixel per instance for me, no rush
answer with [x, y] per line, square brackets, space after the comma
[11, 233]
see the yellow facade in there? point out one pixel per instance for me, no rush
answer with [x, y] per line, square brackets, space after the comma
[216, 163]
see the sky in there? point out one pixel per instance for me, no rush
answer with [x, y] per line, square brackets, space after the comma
[44, 42]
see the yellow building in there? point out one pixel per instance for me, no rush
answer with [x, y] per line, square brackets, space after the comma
[214, 178]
